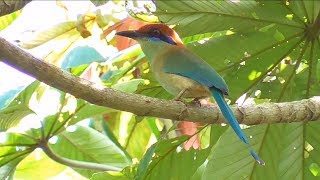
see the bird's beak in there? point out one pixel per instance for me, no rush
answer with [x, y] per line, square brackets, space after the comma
[130, 34]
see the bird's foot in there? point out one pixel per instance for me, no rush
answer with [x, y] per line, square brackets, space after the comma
[197, 102]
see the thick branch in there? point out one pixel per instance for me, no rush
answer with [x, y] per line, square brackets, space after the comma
[304, 110]
[10, 6]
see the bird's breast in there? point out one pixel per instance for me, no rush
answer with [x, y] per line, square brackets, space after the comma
[174, 83]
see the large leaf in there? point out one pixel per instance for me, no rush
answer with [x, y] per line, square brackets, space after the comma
[289, 151]
[38, 166]
[265, 34]
[76, 110]
[167, 155]
[61, 30]
[299, 158]
[8, 19]
[81, 55]
[17, 108]
[230, 157]
[85, 144]
[109, 176]
[14, 147]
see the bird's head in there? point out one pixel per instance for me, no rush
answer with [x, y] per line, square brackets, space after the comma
[154, 32]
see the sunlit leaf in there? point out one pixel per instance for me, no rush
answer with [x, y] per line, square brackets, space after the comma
[14, 148]
[153, 88]
[8, 19]
[17, 108]
[58, 31]
[99, 2]
[138, 138]
[129, 86]
[38, 166]
[81, 55]
[79, 110]
[86, 144]
[263, 36]
[169, 156]
[230, 157]
[109, 176]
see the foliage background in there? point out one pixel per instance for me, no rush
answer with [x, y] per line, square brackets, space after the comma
[265, 50]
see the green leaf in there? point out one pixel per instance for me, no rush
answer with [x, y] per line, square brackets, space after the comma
[153, 88]
[167, 154]
[81, 55]
[17, 108]
[197, 17]
[145, 161]
[61, 31]
[262, 38]
[85, 144]
[8, 169]
[128, 86]
[109, 176]
[230, 157]
[14, 148]
[138, 138]
[38, 166]
[78, 110]
[99, 2]
[12, 115]
[299, 157]
[8, 19]
[8, 96]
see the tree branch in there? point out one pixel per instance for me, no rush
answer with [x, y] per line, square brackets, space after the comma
[10, 6]
[296, 111]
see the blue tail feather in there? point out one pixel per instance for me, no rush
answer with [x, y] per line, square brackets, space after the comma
[233, 122]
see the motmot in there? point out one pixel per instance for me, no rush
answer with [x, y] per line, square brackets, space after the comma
[182, 73]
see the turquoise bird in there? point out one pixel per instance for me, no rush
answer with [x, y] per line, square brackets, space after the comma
[182, 73]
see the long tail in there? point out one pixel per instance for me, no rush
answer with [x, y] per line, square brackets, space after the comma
[229, 116]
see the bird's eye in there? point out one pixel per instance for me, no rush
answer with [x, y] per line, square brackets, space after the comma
[156, 32]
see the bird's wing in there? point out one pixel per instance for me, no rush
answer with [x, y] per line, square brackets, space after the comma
[183, 62]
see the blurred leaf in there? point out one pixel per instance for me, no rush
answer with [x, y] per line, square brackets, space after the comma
[38, 166]
[99, 2]
[138, 138]
[81, 55]
[79, 110]
[125, 24]
[14, 148]
[109, 176]
[8, 96]
[82, 26]
[145, 161]
[143, 11]
[58, 31]
[17, 108]
[86, 144]
[153, 88]
[8, 169]
[123, 55]
[12, 115]
[78, 70]
[8, 19]
[112, 77]
[129, 86]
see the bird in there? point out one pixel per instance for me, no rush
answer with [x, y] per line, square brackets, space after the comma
[183, 73]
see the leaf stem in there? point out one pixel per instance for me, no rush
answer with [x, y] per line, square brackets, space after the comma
[75, 163]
